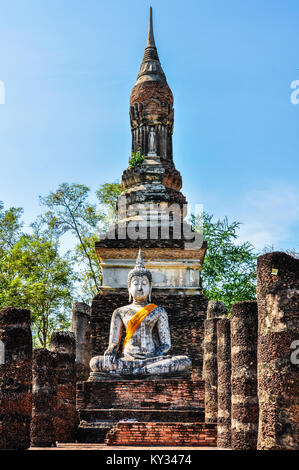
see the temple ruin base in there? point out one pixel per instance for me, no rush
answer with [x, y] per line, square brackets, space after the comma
[164, 411]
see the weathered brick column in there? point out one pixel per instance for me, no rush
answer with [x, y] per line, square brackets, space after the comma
[244, 411]
[44, 396]
[66, 420]
[82, 330]
[15, 378]
[215, 311]
[224, 387]
[278, 381]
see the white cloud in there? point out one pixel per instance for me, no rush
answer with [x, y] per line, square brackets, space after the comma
[269, 215]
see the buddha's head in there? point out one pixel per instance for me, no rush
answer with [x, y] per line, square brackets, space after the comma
[140, 281]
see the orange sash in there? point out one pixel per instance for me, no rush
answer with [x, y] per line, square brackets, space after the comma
[136, 321]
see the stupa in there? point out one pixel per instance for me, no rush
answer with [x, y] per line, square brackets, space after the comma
[151, 215]
[149, 393]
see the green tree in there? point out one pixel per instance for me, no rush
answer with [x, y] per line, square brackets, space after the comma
[107, 195]
[33, 275]
[47, 284]
[229, 268]
[10, 233]
[69, 210]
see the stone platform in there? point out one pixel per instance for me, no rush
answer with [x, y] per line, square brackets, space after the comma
[120, 412]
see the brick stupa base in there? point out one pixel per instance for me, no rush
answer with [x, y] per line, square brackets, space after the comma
[151, 412]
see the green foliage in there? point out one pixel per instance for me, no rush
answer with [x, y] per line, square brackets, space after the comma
[47, 283]
[136, 159]
[69, 210]
[229, 268]
[107, 195]
[33, 275]
[10, 279]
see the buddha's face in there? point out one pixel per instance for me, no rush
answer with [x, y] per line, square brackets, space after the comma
[139, 288]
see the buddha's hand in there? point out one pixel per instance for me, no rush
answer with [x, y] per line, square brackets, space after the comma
[110, 353]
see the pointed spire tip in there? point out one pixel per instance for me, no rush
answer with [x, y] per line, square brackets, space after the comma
[150, 69]
[151, 39]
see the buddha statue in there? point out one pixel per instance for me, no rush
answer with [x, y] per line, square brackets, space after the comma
[147, 341]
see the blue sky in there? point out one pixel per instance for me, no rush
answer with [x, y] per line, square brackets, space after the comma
[68, 68]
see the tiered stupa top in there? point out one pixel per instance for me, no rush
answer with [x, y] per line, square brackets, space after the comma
[151, 117]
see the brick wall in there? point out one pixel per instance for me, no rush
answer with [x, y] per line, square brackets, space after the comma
[138, 394]
[162, 434]
[15, 378]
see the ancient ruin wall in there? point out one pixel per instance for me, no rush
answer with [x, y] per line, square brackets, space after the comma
[15, 378]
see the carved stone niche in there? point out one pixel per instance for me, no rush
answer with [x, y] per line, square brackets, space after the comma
[2, 353]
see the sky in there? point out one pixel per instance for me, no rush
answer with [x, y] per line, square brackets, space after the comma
[68, 68]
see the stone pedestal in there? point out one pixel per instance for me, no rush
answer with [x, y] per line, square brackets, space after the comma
[172, 404]
[177, 275]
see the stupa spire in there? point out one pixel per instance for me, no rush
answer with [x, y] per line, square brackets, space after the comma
[150, 69]
[150, 38]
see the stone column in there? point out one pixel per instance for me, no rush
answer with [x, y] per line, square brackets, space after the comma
[224, 387]
[81, 329]
[278, 351]
[44, 396]
[244, 411]
[65, 421]
[215, 311]
[15, 378]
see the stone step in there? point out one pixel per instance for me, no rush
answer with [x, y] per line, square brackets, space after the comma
[158, 394]
[93, 433]
[145, 414]
[162, 434]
